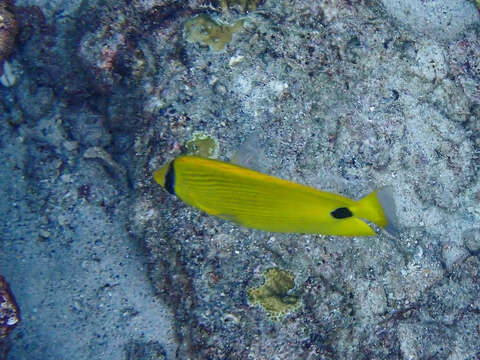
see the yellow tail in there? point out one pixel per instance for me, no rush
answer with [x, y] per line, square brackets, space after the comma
[379, 208]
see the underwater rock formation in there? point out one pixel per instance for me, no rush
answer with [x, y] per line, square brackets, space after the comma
[8, 30]
[9, 313]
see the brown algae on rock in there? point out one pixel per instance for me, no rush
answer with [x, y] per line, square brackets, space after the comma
[8, 29]
[273, 296]
[203, 29]
[202, 145]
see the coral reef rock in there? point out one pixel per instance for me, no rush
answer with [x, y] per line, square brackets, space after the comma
[8, 29]
[9, 313]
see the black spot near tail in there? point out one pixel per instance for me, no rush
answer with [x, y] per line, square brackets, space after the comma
[170, 179]
[341, 213]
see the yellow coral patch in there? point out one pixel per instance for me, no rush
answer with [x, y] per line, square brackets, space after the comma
[203, 29]
[202, 145]
[273, 296]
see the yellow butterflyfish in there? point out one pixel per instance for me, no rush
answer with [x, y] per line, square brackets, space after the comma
[264, 202]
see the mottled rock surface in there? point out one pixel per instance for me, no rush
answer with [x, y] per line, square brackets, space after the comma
[345, 99]
[346, 96]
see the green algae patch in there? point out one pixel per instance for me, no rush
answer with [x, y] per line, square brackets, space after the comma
[203, 29]
[202, 145]
[273, 296]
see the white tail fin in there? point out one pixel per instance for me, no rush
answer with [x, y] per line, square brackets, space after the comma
[385, 196]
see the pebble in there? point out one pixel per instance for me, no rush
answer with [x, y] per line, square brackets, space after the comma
[8, 78]
[471, 239]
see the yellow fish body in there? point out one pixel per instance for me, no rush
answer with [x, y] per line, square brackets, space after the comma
[264, 202]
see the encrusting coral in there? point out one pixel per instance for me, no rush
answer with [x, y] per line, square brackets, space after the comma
[202, 145]
[203, 29]
[273, 296]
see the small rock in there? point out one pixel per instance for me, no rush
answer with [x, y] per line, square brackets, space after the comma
[44, 234]
[453, 254]
[70, 145]
[49, 131]
[372, 300]
[96, 152]
[471, 239]
[430, 62]
[8, 78]
[88, 128]
[15, 117]
[422, 273]
[236, 59]
[35, 101]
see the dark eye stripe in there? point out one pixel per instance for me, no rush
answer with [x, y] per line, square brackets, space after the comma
[170, 179]
[341, 213]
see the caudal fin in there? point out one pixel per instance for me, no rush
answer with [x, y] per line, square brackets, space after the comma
[379, 208]
[385, 197]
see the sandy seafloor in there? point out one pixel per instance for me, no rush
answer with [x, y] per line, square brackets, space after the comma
[346, 96]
